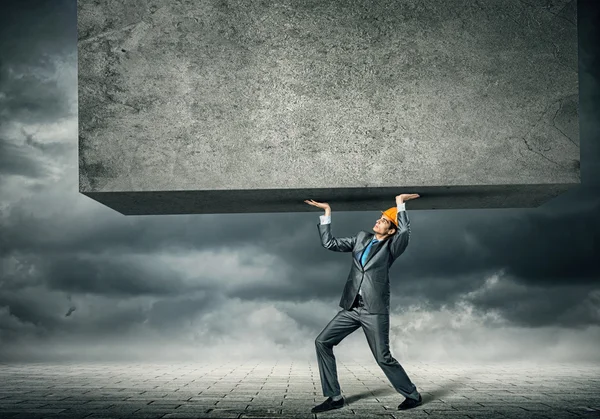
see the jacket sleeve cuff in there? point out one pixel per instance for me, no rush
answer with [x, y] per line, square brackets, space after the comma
[325, 219]
[402, 207]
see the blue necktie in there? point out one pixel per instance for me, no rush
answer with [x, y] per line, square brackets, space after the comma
[366, 252]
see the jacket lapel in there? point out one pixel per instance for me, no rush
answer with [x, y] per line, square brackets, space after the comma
[359, 252]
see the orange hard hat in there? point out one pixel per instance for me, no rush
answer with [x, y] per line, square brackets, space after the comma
[391, 213]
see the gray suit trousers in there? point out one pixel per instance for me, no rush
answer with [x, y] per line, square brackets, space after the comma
[376, 328]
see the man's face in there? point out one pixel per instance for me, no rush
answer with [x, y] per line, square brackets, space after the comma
[382, 225]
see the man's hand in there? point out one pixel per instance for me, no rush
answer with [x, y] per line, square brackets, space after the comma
[322, 205]
[405, 197]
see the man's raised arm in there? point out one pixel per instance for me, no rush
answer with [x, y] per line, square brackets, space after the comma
[401, 238]
[342, 244]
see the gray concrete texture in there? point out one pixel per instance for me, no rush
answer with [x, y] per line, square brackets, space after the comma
[286, 389]
[185, 106]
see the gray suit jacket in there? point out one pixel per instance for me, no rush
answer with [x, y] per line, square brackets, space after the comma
[373, 277]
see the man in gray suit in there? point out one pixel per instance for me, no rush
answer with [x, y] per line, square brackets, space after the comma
[365, 301]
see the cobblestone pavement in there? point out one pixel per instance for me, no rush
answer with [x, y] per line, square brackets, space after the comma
[291, 389]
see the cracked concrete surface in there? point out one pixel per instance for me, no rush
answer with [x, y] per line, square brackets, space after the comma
[185, 105]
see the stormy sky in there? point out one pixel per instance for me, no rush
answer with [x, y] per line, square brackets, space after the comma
[79, 281]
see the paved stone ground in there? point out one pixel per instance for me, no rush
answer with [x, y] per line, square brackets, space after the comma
[290, 389]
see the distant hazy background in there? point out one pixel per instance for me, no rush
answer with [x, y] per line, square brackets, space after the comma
[79, 281]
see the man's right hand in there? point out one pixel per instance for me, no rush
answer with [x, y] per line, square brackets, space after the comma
[322, 205]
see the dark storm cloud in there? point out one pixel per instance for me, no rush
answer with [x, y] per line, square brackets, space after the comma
[171, 312]
[457, 248]
[146, 234]
[453, 250]
[17, 160]
[52, 149]
[32, 36]
[554, 248]
[479, 244]
[111, 276]
[24, 156]
[30, 93]
[567, 305]
[40, 312]
[31, 30]
[537, 245]
[37, 48]
[544, 250]
[28, 311]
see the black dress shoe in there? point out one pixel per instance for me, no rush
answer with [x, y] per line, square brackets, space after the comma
[328, 404]
[410, 403]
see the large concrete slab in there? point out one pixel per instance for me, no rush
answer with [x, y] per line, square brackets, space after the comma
[187, 106]
[287, 389]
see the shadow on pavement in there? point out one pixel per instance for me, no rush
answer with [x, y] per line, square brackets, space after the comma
[367, 394]
[443, 390]
[428, 396]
